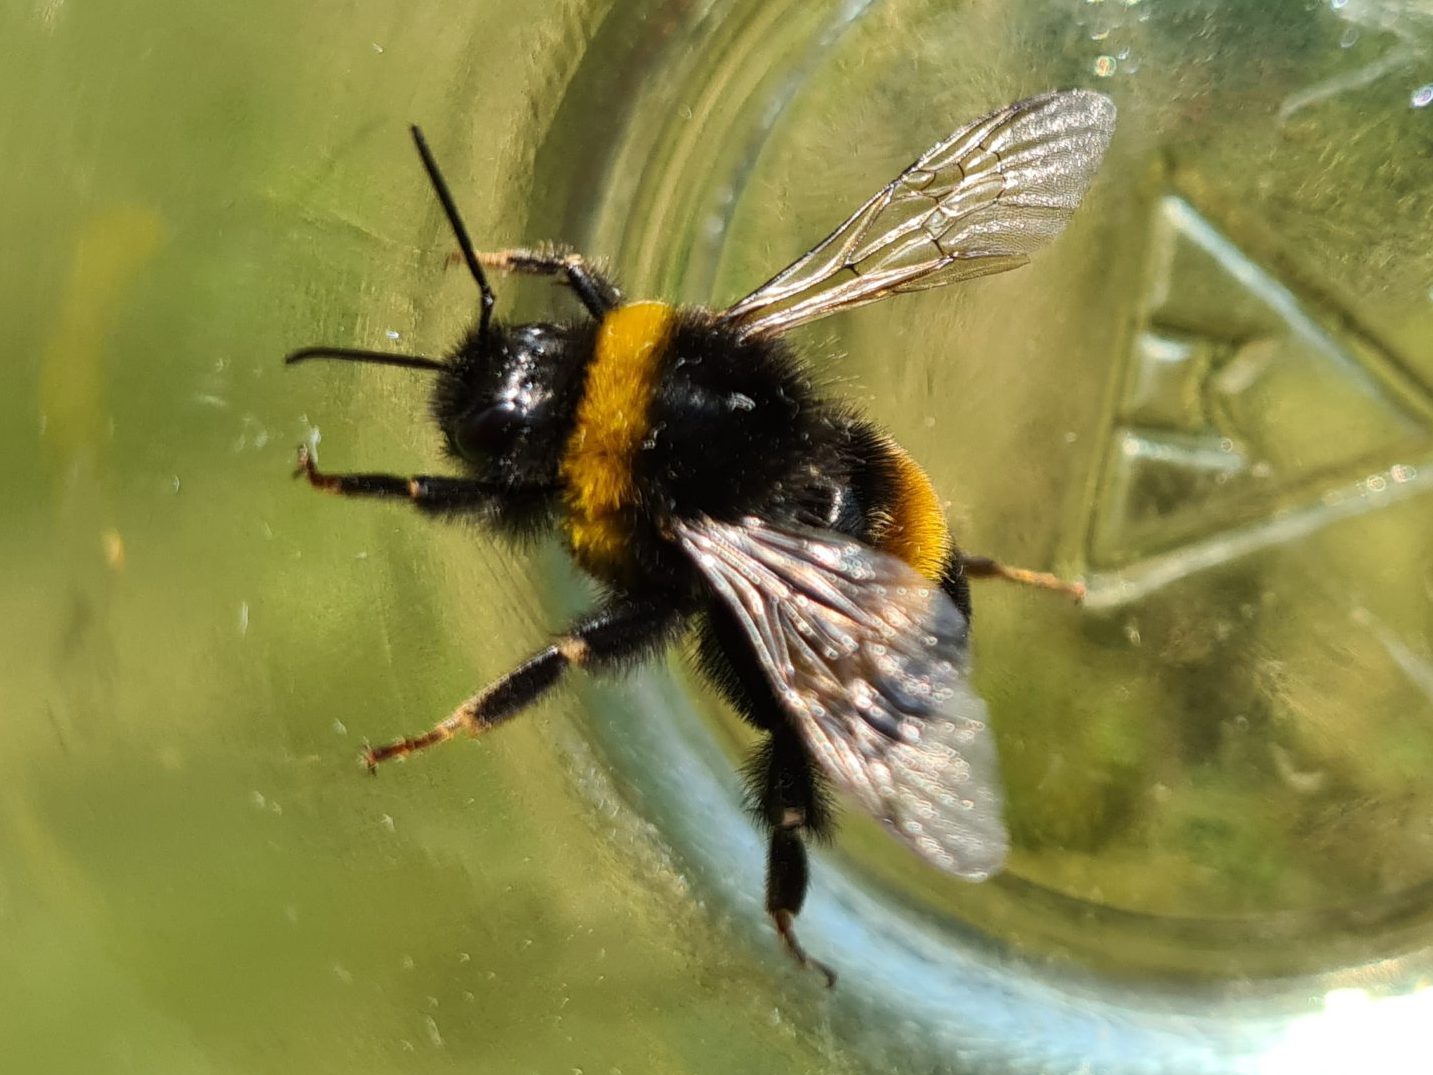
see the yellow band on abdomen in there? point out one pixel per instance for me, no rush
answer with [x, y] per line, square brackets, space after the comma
[610, 426]
[918, 532]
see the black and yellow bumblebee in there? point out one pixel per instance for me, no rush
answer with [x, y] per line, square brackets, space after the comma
[696, 472]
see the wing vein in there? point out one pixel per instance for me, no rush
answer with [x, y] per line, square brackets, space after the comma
[868, 660]
[979, 202]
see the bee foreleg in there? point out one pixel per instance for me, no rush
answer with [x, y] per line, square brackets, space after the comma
[614, 635]
[425, 492]
[596, 292]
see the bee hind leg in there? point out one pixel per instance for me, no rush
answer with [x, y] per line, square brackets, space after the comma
[786, 880]
[787, 799]
[983, 567]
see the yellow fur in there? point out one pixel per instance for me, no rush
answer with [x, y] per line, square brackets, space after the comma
[917, 532]
[611, 424]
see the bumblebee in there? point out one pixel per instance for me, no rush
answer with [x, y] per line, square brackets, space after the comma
[695, 471]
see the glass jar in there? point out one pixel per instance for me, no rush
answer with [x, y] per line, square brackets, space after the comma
[1210, 399]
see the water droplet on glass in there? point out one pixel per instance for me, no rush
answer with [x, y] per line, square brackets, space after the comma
[431, 1026]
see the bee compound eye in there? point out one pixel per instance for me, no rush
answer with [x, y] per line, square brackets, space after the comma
[486, 432]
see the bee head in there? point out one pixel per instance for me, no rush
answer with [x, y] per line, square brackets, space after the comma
[506, 396]
[505, 400]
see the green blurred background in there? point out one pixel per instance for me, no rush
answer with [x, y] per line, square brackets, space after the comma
[1211, 399]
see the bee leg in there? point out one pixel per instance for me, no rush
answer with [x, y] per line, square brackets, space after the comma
[427, 493]
[788, 799]
[983, 567]
[786, 880]
[595, 291]
[617, 634]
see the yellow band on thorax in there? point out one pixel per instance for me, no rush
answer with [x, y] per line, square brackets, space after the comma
[610, 426]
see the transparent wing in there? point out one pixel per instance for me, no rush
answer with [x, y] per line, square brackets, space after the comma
[869, 659]
[980, 202]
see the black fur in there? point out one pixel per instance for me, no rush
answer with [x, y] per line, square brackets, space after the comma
[735, 427]
[539, 371]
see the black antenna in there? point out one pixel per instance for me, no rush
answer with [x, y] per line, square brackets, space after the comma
[456, 223]
[353, 354]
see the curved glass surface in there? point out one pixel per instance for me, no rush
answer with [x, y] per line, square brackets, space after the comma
[1211, 399]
